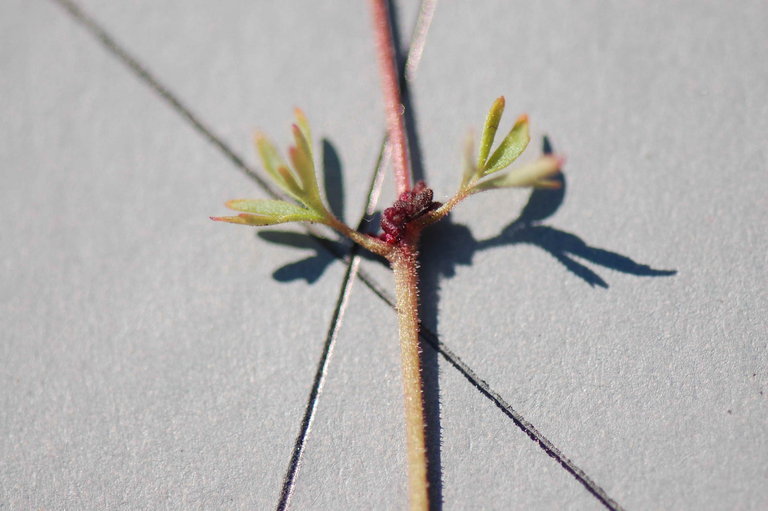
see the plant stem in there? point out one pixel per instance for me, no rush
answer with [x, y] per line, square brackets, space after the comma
[370, 243]
[404, 264]
[385, 50]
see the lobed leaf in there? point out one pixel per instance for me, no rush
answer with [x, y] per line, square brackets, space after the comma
[268, 212]
[289, 182]
[492, 120]
[510, 148]
[534, 174]
[276, 167]
[301, 158]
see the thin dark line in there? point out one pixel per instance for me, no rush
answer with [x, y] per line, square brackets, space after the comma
[353, 266]
[126, 58]
[309, 412]
[519, 420]
[176, 104]
[485, 389]
[377, 288]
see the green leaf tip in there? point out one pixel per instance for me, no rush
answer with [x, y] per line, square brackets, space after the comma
[492, 120]
[510, 148]
[505, 154]
[303, 124]
[299, 180]
[301, 158]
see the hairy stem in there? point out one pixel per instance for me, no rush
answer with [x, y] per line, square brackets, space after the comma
[404, 263]
[385, 50]
[370, 243]
[441, 212]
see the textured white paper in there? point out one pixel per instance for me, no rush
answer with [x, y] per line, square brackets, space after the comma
[150, 358]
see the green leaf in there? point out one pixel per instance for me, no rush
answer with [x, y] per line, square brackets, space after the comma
[534, 174]
[268, 212]
[289, 182]
[303, 123]
[276, 167]
[470, 169]
[301, 158]
[510, 148]
[489, 130]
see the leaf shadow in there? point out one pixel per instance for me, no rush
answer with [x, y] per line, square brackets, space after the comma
[333, 180]
[445, 246]
[310, 268]
[323, 251]
[448, 244]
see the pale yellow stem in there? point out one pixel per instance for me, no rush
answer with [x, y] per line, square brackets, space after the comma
[404, 262]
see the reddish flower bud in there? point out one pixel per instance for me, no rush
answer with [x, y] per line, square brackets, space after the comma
[409, 206]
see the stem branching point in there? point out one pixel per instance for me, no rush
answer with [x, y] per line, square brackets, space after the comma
[402, 223]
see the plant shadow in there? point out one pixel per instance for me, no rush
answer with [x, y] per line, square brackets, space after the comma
[445, 246]
[449, 244]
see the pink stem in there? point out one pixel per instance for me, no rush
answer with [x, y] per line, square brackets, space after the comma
[385, 50]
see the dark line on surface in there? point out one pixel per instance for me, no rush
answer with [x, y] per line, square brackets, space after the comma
[353, 267]
[481, 385]
[377, 288]
[372, 197]
[126, 58]
[113, 47]
[520, 421]
[309, 412]
[109, 43]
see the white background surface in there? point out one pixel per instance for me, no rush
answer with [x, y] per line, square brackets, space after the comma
[149, 359]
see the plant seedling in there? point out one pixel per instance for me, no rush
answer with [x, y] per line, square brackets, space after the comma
[401, 224]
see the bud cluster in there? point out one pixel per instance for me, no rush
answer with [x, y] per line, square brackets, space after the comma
[409, 206]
